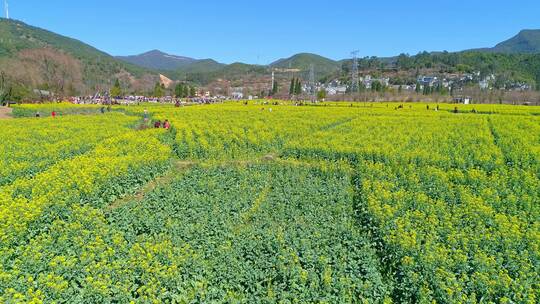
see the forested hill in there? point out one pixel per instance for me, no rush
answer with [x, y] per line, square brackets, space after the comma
[525, 42]
[303, 61]
[36, 58]
[158, 60]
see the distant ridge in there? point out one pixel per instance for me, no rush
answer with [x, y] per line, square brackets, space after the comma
[525, 42]
[158, 60]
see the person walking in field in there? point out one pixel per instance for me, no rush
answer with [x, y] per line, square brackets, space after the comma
[145, 115]
[166, 124]
[38, 114]
[157, 124]
[53, 114]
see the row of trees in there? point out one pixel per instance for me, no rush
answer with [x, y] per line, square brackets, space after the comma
[295, 90]
[436, 89]
[477, 96]
[377, 86]
[5, 89]
[183, 90]
[295, 87]
[180, 90]
[275, 88]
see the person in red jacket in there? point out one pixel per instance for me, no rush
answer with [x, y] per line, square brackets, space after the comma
[166, 124]
[53, 114]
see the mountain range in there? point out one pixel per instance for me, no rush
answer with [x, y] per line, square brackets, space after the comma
[525, 42]
[34, 58]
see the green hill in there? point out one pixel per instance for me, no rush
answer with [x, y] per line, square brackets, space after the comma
[238, 68]
[208, 70]
[60, 64]
[202, 66]
[303, 61]
[201, 71]
[158, 60]
[526, 42]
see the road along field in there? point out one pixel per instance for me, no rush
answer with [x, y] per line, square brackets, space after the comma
[256, 203]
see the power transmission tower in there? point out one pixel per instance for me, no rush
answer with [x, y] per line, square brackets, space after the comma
[354, 72]
[312, 82]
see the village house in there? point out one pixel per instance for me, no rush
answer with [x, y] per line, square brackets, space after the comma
[237, 93]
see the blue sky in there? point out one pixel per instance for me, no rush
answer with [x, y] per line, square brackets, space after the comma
[263, 31]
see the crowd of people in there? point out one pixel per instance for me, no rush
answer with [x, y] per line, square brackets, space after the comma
[137, 100]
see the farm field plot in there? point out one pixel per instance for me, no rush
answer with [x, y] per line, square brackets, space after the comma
[30, 146]
[250, 234]
[258, 203]
[30, 110]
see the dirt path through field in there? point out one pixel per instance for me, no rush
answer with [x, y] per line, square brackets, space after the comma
[5, 112]
[178, 167]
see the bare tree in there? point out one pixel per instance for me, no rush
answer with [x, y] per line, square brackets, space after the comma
[5, 89]
[58, 71]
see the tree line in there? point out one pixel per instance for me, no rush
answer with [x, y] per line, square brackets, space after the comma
[181, 90]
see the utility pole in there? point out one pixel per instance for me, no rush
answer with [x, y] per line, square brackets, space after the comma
[273, 82]
[354, 72]
[312, 82]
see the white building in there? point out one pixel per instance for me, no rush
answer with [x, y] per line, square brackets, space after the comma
[368, 81]
[336, 90]
[237, 93]
[484, 84]
[428, 81]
